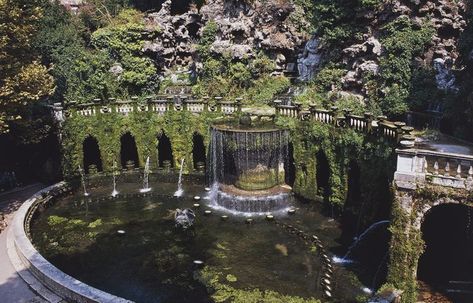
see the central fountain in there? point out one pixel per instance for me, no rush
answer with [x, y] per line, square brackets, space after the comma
[247, 169]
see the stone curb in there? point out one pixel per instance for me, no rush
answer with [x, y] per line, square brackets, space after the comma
[52, 284]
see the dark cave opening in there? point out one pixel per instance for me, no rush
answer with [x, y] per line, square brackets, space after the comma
[198, 150]
[322, 174]
[164, 150]
[91, 153]
[289, 166]
[447, 262]
[128, 150]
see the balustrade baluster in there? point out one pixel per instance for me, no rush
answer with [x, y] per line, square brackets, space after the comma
[447, 169]
[470, 174]
[459, 171]
[436, 168]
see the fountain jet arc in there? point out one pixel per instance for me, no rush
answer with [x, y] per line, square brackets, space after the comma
[247, 170]
[357, 241]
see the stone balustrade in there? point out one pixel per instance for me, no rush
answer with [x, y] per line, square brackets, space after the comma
[395, 131]
[159, 105]
[417, 166]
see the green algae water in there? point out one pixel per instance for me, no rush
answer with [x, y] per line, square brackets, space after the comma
[152, 260]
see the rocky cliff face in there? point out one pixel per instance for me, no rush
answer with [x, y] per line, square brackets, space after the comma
[243, 29]
[445, 16]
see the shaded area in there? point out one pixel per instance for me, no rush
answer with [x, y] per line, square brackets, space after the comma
[164, 150]
[128, 151]
[91, 151]
[147, 5]
[322, 175]
[447, 263]
[289, 166]
[23, 163]
[198, 150]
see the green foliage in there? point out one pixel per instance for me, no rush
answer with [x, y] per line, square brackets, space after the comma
[123, 40]
[335, 20]
[402, 40]
[208, 37]
[23, 79]
[407, 246]
[329, 78]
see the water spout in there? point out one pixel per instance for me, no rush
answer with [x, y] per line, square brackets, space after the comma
[114, 175]
[146, 172]
[82, 180]
[358, 240]
[179, 190]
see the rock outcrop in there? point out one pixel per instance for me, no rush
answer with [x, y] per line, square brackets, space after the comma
[446, 17]
[243, 30]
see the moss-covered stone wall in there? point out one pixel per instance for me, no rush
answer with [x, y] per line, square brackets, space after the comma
[409, 210]
[179, 127]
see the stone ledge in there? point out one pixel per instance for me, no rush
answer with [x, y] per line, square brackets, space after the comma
[46, 275]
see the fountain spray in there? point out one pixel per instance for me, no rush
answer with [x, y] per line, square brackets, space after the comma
[82, 180]
[179, 190]
[146, 172]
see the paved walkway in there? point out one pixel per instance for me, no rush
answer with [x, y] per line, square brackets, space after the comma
[12, 287]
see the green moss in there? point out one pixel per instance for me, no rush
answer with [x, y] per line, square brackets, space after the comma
[222, 292]
[56, 220]
[95, 223]
[231, 278]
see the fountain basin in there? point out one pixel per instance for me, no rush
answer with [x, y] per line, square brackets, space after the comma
[105, 260]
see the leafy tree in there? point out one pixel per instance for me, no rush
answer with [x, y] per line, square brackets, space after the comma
[23, 79]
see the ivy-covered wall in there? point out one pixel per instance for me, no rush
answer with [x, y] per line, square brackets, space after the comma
[409, 210]
[342, 146]
[179, 127]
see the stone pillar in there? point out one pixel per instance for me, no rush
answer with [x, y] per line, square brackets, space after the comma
[239, 104]
[277, 103]
[369, 122]
[218, 101]
[205, 101]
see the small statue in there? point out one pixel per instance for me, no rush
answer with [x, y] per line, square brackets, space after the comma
[184, 218]
[309, 60]
[193, 73]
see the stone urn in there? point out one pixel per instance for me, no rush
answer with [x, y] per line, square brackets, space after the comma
[130, 165]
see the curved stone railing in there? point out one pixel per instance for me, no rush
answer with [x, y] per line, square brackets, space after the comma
[65, 286]
[395, 131]
[416, 166]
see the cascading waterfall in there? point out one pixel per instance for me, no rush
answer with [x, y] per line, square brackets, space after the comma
[247, 170]
[146, 172]
[179, 190]
[114, 176]
[357, 241]
[82, 180]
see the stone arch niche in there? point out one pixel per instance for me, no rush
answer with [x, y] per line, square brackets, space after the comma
[128, 150]
[198, 151]
[447, 261]
[322, 173]
[164, 150]
[91, 154]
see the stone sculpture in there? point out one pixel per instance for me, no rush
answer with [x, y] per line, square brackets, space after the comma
[184, 218]
[309, 60]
